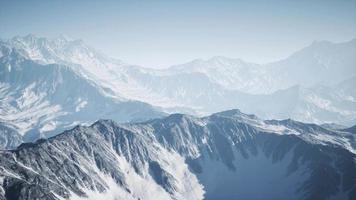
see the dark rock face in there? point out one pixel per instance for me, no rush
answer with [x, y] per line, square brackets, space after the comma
[225, 156]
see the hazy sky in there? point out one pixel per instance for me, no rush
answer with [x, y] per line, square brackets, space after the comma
[163, 33]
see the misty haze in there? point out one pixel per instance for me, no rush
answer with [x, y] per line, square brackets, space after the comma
[216, 100]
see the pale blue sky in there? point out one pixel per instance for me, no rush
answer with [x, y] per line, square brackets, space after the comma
[164, 33]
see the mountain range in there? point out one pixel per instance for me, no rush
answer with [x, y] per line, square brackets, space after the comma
[228, 155]
[77, 124]
[38, 100]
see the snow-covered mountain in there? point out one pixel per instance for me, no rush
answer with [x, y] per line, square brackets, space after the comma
[231, 74]
[316, 84]
[40, 100]
[111, 74]
[301, 87]
[228, 155]
[322, 62]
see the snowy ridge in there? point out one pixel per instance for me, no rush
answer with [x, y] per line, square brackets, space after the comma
[95, 166]
[184, 157]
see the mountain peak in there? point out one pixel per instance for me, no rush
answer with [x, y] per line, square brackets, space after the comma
[105, 122]
[32, 42]
[236, 113]
[321, 42]
[61, 49]
[231, 112]
[64, 38]
[30, 36]
[225, 59]
[218, 58]
[176, 117]
[33, 37]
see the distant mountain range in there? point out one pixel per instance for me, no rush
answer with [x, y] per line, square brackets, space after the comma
[228, 155]
[49, 85]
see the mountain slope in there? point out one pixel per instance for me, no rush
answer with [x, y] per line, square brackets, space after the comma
[318, 104]
[42, 100]
[101, 161]
[183, 157]
[322, 62]
[350, 129]
[232, 74]
[9, 137]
